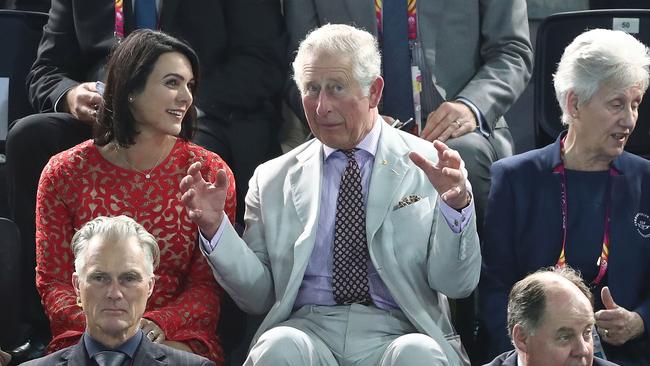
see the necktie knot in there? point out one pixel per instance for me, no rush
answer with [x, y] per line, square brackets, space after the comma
[349, 153]
[109, 358]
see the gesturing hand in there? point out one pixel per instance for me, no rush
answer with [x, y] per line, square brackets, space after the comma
[204, 201]
[152, 331]
[448, 176]
[616, 324]
[83, 102]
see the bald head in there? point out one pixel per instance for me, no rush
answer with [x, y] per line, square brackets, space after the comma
[528, 298]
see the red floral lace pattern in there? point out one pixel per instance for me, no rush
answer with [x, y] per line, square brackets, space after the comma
[78, 185]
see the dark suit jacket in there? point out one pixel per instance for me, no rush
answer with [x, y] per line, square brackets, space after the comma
[149, 354]
[241, 45]
[523, 233]
[510, 359]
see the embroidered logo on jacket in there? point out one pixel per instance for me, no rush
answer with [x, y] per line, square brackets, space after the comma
[642, 223]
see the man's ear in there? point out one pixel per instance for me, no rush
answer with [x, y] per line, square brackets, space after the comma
[376, 89]
[152, 281]
[520, 338]
[75, 283]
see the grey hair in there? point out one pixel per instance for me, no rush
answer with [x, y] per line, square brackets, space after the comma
[600, 57]
[527, 299]
[114, 229]
[347, 42]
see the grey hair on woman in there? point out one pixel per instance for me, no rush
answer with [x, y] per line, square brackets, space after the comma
[600, 57]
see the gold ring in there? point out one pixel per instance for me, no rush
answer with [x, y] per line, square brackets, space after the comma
[457, 123]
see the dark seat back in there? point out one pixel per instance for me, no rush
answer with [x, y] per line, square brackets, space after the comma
[10, 282]
[554, 34]
[20, 33]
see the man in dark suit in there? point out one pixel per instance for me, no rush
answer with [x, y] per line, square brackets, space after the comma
[114, 262]
[550, 321]
[242, 68]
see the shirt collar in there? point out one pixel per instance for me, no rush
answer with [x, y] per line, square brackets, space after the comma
[368, 143]
[129, 347]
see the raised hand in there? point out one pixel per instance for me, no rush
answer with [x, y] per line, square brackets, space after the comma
[616, 324]
[204, 201]
[448, 176]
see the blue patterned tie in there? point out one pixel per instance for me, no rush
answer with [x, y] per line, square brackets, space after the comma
[146, 14]
[350, 252]
[398, 87]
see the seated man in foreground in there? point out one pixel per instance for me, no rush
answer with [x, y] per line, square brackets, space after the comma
[354, 239]
[114, 262]
[551, 321]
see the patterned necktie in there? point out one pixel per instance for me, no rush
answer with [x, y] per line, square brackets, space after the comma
[146, 14]
[110, 358]
[350, 274]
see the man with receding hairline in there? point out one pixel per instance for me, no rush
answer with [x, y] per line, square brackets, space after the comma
[354, 239]
[550, 321]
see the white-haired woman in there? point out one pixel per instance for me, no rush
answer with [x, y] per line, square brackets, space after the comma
[582, 200]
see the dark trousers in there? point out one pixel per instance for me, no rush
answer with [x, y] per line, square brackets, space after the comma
[31, 141]
[243, 140]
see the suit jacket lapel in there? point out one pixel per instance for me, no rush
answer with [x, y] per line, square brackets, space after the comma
[388, 171]
[149, 354]
[75, 356]
[305, 182]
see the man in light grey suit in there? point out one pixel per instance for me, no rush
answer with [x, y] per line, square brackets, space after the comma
[480, 59]
[354, 239]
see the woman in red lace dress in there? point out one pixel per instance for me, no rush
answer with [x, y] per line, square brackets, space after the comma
[133, 167]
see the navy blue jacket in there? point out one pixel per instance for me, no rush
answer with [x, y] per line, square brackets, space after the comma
[523, 233]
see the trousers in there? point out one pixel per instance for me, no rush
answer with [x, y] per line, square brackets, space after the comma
[345, 335]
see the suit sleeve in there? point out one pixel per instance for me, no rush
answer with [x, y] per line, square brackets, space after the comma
[58, 65]
[55, 261]
[507, 57]
[499, 262]
[252, 70]
[242, 266]
[454, 261]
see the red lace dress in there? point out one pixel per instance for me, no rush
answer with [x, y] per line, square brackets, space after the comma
[78, 185]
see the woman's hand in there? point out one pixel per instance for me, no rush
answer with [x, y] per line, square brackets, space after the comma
[152, 331]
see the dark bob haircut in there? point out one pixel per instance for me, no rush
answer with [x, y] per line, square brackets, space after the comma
[128, 69]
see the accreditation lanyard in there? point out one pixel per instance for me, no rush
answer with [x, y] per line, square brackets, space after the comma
[411, 14]
[119, 19]
[602, 261]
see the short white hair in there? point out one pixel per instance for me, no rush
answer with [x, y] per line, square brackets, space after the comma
[115, 229]
[351, 44]
[600, 57]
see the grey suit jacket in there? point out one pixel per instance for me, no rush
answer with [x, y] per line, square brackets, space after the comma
[476, 49]
[413, 249]
[148, 354]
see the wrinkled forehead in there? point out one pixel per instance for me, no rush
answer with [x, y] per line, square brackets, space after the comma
[325, 65]
[115, 255]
